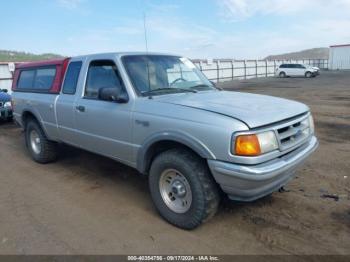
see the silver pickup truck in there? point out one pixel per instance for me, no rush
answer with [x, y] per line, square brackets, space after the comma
[159, 114]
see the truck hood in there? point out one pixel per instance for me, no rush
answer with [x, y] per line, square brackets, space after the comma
[254, 110]
[4, 97]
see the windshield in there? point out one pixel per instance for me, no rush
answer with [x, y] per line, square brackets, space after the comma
[159, 74]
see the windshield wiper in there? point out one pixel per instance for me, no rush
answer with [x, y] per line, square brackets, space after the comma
[204, 85]
[168, 89]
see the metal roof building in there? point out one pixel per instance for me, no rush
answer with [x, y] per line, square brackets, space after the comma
[339, 57]
[6, 71]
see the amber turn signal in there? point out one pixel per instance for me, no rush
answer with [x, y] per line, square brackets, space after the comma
[247, 145]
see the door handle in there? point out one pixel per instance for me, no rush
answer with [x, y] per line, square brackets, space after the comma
[80, 108]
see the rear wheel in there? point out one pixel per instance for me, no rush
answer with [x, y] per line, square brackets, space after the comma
[182, 188]
[282, 75]
[40, 148]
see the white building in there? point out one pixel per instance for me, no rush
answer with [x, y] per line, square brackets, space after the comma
[339, 57]
[6, 71]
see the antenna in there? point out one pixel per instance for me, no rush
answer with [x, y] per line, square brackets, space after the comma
[145, 30]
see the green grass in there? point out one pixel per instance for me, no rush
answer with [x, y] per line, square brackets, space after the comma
[15, 56]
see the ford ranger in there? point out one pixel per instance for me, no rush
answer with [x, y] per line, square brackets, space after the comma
[160, 115]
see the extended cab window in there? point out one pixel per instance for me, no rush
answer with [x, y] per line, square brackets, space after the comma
[71, 79]
[40, 79]
[102, 74]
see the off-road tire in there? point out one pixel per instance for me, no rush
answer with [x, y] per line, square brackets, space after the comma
[48, 152]
[205, 192]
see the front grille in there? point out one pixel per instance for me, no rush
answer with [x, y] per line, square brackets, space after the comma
[293, 132]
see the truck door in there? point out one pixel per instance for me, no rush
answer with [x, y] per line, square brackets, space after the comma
[65, 103]
[104, 127]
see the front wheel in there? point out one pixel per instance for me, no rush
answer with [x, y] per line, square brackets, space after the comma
[40, 148]
[182, 188]
[308, 74]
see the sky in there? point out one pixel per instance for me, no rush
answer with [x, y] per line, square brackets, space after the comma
[238, 29]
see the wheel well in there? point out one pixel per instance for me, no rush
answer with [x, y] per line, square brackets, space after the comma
[26, 116]
[160, 147]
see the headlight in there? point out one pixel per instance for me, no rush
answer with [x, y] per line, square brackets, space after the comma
[8, 104]
[256, 144]
[308, 125]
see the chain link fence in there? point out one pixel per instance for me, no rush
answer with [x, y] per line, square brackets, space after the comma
[219, 70]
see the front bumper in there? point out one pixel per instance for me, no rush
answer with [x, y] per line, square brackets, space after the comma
[248, 183]
[5, 113]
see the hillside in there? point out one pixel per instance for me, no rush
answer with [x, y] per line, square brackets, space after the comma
[15, 56]
[314, 53]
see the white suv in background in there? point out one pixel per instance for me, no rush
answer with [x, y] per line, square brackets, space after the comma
[286, 70]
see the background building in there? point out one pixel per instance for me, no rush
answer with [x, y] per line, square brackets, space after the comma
[339, 57]
[6, 71]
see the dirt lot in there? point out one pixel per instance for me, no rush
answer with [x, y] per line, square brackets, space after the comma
[86, 204]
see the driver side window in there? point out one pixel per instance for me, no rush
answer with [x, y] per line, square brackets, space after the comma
[102, 74]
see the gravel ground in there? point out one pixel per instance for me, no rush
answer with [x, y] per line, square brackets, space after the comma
[87, 204]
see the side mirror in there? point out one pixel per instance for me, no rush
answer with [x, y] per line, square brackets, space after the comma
[112, 94]
[4, 90]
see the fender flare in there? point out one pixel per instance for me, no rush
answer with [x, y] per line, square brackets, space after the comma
[174, 136]
[37, 118]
